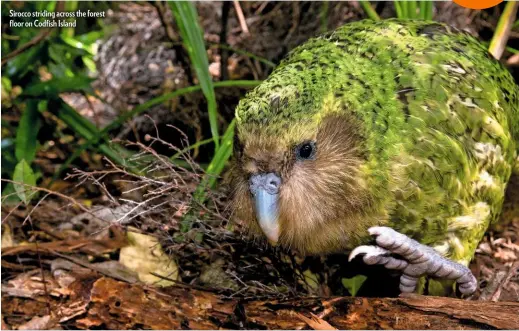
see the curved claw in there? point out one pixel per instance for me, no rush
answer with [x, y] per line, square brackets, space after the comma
[368, 251]
[378, 255]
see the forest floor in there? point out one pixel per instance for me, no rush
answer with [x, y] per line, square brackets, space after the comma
[100, 221]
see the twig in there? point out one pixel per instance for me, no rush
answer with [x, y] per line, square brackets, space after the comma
[63, 196]
[33, 42]
[33, 209]
[296, 10]
[161, 9]
[241, 17]
[511, 272]
[90, 266]
[44, 282]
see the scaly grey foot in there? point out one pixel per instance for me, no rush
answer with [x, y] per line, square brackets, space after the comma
[417, 260]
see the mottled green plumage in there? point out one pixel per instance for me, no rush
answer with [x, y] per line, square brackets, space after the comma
[438, 117]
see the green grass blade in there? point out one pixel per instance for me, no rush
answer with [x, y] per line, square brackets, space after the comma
[403, 6]
[429, 11]
[190, 147]
[235, 50]
[512, 50]
[23, 174]
[368, 9]
[55, 86]
[502, 32]
[411, 11]
[26, 142]
[70, 6]
[223, 153]
[186, 17]
[398, 9]
[87, 130]
[323, 15]
[422, 5]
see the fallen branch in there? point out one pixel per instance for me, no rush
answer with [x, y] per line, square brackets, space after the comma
[111, 304]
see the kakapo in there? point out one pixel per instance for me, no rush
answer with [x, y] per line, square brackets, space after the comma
[391, 139]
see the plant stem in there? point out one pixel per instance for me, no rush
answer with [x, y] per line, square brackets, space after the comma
[368, 9]
[504, 25]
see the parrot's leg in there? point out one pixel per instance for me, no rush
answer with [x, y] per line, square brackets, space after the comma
[417, 260]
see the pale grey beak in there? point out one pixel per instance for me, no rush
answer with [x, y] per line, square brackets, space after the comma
[265, 190]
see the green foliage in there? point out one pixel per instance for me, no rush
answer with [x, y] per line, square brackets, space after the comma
[24, 178]
[325, 7]
[368, 9]
[408, 9]
[414, 9]
[24, 63]
[353, 284]
[55, 86]
[26, 142]
[217, 164]
[187, 20]
[87, 130]
[66, 59]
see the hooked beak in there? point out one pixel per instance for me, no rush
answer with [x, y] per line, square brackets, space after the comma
[265, 190]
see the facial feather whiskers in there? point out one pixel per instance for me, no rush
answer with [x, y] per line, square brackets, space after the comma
[313, 193]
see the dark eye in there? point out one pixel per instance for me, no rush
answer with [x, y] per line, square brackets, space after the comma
[305, 151]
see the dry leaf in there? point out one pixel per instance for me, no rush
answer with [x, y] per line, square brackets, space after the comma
[7, 236]
[145, 256]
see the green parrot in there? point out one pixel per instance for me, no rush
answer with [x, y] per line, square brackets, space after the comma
[392, 140]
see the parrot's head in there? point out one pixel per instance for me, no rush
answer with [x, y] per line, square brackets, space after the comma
[297, 161]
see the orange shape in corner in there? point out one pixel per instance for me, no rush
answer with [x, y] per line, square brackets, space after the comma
[478, 4]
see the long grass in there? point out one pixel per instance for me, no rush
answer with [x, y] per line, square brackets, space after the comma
[502, 32]
[323, 16]
[408, 9]
[186, 18]
[368, 9]
[217, 164]
[414, 9]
